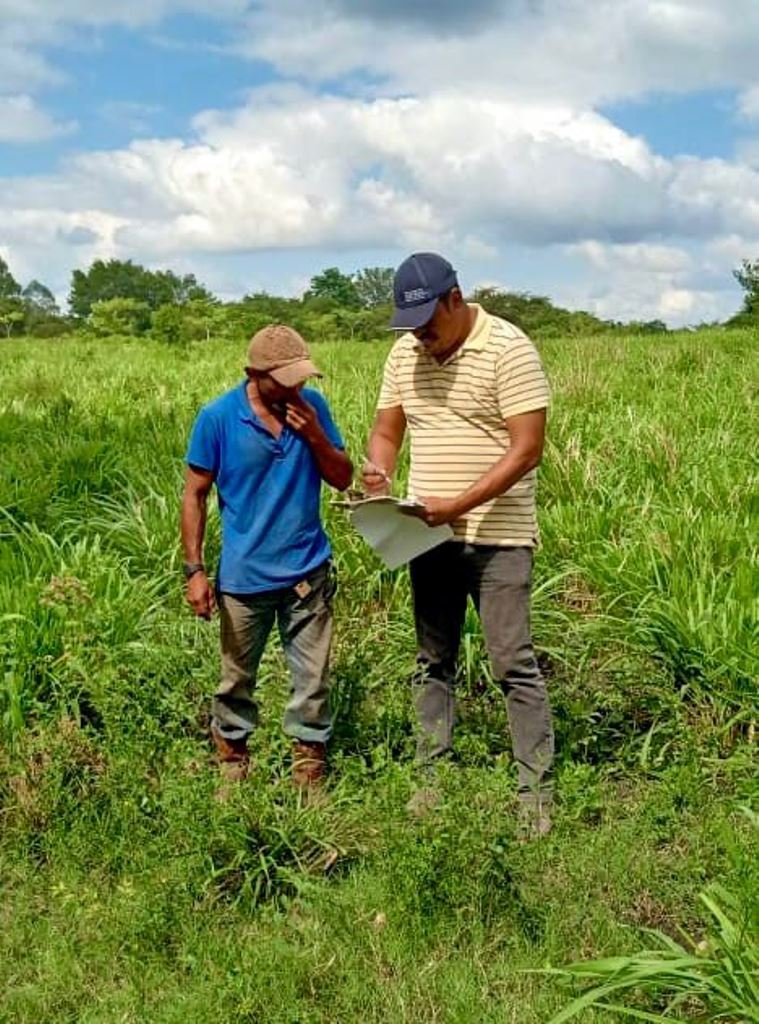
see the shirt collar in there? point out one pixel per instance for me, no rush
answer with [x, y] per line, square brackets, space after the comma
[475, 341]
[479, 336]
[246, 413]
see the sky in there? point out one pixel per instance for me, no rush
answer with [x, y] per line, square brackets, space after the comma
[604, 153]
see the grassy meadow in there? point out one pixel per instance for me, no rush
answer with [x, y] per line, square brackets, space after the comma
[130, 895]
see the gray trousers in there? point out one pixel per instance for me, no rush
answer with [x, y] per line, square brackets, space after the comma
[498, 580]
[305, 629]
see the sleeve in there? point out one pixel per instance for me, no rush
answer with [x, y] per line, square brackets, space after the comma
[319, 402]
[520, 381]
[204, 449]
[390, 392]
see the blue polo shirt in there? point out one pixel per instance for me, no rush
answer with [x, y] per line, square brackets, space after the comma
[268, 490]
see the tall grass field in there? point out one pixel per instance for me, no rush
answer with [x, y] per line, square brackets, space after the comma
[131, 895]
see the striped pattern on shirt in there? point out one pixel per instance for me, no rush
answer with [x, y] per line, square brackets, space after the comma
[455, 414]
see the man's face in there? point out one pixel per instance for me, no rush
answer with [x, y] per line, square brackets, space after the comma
[441, 331]
[274, 394]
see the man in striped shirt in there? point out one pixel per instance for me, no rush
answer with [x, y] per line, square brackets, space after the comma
[471, 390]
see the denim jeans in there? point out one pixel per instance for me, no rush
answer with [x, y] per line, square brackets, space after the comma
[498, 579]
[305, 629]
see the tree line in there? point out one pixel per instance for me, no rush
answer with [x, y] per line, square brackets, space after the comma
[119, 297]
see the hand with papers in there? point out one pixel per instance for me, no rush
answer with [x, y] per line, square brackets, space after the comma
[392, 527]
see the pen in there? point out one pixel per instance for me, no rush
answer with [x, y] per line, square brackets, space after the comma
[380, 470]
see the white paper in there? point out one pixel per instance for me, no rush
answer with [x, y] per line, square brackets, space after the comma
[395, 534]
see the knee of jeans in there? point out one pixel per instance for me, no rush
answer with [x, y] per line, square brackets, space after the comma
[429, 670]
[516, 666]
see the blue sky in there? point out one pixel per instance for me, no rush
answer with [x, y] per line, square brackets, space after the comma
[699, 123]
[604, 154]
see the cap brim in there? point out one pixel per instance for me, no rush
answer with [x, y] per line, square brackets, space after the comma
[293, 374]
[413, 316]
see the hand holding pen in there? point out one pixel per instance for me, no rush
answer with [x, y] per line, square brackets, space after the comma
[375, 479]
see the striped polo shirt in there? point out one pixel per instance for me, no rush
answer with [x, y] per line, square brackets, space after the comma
[455, 412]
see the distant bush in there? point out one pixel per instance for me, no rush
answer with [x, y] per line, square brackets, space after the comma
[166, 325]
[119, 316]
[536, 314]
[56, 328]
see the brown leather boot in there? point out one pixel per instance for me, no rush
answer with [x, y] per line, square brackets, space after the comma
[232, 755]
[309, 763]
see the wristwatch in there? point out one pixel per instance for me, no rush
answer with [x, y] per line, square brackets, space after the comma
[190, 568]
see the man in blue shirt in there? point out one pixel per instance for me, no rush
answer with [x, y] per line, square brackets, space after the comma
[267, 445]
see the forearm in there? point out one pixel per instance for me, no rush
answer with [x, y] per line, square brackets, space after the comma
[333, 464]
[193, 526]
[497, 480]
[382, 451]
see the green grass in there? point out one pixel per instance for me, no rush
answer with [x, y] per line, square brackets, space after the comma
[130, 895]
[718, 977]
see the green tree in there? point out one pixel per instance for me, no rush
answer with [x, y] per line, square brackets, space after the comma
[112, 279]
[166, 324]
[11, 315]
[119, 316]
[41, 298]
[747, 277]
[9, 286]
[201, 318]
[374, 286]
[536, 314]
[195, 320]
[42, 315]
[647, 326]
[122, 279]
[183, 289]
[333, 284]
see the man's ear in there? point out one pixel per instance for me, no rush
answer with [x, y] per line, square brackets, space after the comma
[455, 298]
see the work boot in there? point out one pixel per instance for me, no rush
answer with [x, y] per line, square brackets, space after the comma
[534, 820]
[423, 801]
[427, 795]
[232, 755]
[309, 764]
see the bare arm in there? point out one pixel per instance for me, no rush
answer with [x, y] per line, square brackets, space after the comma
[197, 486]
[527, 433]
[333, 464]
[384, 444]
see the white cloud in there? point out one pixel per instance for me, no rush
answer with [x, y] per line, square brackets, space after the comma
[732, 248]
[654, 282]
[748, 103]
[679, 302]
[747, 151]
[22, 120]
[586, 52]
[30, 28]
[305, 170]
[291, 170]
[468, 133]
[650, 259]
[135, 117]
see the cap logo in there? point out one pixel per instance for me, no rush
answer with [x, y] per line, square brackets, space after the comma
[417, 294]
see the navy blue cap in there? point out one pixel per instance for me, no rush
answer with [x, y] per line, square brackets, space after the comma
[419, 282]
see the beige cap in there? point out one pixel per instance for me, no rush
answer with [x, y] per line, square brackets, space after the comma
[280, 351]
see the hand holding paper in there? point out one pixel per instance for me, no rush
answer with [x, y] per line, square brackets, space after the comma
[436, 511]
[395, 529]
